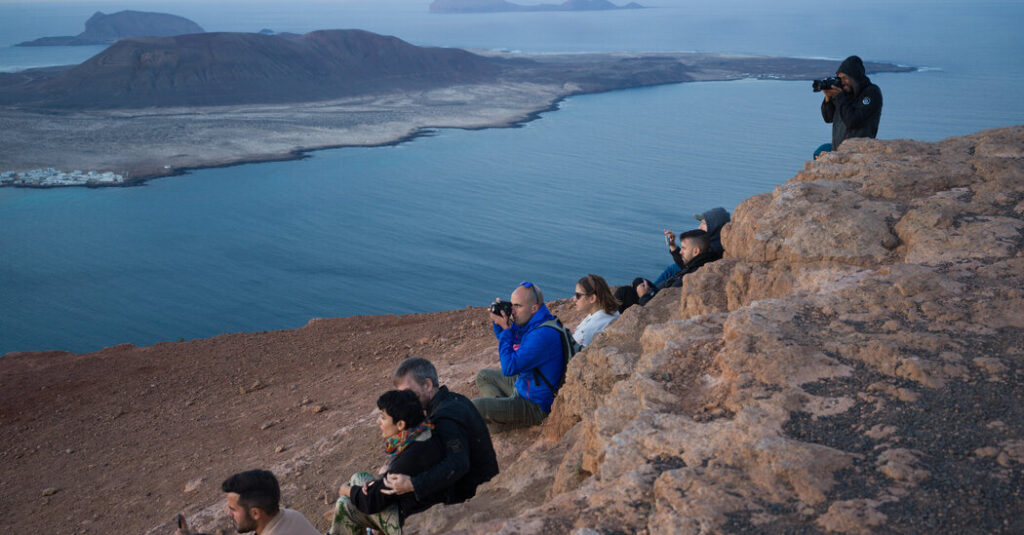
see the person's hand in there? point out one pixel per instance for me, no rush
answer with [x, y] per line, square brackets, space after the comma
[831, 93]
[670, 240]
[397, 484]
[345, 491]
[500, 321]
[183, 529]
[643, 289]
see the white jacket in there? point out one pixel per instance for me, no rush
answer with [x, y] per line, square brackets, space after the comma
[591, 325]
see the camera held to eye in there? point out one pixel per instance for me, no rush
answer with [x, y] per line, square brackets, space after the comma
[501, 308]
[827, 83]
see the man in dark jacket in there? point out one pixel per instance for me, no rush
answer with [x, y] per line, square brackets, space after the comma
[693, 252]
[711, 222]
[854, 110]
[469, 458]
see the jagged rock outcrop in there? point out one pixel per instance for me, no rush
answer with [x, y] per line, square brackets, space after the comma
[102, 29]
[855, 364]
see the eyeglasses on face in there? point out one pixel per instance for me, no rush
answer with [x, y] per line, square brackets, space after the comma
[579, 295]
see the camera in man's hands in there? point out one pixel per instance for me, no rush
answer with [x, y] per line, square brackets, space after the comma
[827, 83]
[501, 308]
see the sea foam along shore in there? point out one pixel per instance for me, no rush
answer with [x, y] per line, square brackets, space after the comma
[52, 178]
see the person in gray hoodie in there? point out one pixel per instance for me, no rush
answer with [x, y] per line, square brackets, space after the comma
[711, 222]
[855, 109]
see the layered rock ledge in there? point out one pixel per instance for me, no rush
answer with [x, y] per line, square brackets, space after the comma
[853, 365]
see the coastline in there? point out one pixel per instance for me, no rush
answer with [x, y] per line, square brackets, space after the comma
[149, 143]
[303, 153]
[141, 171]
[839, 335]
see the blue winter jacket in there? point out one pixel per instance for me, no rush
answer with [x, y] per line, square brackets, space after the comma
[521, 349]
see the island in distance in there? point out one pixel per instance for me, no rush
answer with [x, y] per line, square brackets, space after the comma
[103, 29]
[498, 6]
[156, 106]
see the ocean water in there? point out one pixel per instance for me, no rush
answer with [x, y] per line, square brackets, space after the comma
[456, 218]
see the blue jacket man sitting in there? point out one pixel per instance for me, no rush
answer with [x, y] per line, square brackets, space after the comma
[515, 394]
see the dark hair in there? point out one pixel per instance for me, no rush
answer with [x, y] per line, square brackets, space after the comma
[402, 405]
[419, 368]
[596, 285]
[697, 237]
[255, 488]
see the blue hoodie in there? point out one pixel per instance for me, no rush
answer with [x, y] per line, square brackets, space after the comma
[523, 348]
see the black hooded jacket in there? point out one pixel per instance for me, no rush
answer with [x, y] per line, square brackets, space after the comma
[469, 457]
[856, 114]
[676, 280]
[716, 218]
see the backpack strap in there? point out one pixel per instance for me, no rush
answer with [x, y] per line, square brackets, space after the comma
[569, 348]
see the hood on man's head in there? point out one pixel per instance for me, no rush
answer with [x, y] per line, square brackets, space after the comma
[715, 217]
[852, 67]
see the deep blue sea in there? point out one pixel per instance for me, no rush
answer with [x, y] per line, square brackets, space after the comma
[456, 218]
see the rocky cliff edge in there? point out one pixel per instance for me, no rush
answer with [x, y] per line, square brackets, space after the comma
[855, 364]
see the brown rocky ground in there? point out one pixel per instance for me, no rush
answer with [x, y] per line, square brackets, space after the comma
[853, 365]
[121, 440]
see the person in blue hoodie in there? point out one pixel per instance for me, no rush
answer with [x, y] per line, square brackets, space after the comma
[531, 358]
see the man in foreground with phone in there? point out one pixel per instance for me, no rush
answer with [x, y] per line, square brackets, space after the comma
[693, 252]
[253, 503]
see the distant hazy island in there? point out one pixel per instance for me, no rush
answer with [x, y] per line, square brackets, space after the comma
[155, 106]
[496, 6]
[103, 29]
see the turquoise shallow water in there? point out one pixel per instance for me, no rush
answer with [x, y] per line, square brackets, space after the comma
[459, 217]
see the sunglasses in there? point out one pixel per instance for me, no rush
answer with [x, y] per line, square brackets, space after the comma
[528, 284]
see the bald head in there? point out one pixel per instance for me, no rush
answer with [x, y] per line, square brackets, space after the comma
[526, 301]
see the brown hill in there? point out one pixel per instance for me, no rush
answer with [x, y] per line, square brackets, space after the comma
[854, 365]
[102, 29]
[244, 68]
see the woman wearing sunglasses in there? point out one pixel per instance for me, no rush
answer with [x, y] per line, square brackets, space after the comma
[595, 299]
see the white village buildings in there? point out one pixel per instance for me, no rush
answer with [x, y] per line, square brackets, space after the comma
[51, 177]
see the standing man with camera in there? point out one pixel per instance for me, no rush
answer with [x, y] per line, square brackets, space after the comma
[854, 107]
[531, 359]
